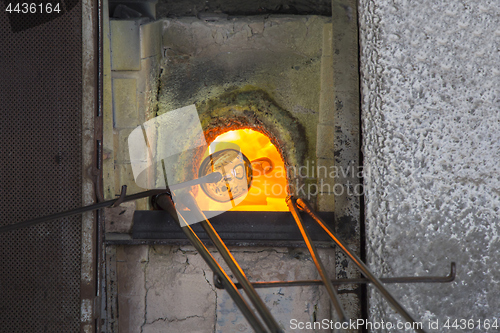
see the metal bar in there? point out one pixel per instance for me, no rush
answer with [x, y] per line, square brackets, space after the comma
[165, 203]
[259, 305]
[79, 210]
[122, 196]
[317, 261]
[252, 229]
[301, 283]
[361, 265]
[210, 178]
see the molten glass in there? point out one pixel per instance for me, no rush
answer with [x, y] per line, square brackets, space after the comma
[268, 184]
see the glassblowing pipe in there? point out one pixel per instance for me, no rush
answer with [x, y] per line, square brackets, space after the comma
[210, 178]
[189, 201]
[165, 203]
[80, 210]
[361, 265]
[317, 261]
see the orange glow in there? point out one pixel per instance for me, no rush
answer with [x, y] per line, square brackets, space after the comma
[268, 189]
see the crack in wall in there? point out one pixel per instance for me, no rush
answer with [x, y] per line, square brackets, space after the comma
[174, 319]
[315, 312]
[183, 251]
[216, 298]
[186, 263]
[156, 106]
[262, 251]
[146, 264]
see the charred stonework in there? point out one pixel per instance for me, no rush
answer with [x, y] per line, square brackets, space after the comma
[172, 8]
[255, 109]
[259, 72]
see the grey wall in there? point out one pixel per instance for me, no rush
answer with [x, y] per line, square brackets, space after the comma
[430, 112]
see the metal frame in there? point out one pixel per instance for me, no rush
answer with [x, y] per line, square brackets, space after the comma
[92, 251]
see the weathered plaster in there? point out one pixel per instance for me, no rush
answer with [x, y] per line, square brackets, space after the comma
[170, 289]
[280, 55]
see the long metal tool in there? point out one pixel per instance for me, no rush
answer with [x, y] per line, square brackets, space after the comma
[80, 210]
[165, 203]
[337, 282]
[361, 265]
[210, 178]
[317, 261]
[259, 305]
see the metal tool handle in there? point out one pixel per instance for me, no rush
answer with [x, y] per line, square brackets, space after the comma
[210, 178]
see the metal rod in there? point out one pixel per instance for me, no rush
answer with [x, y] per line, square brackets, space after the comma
[165, 203]
[123, 195]
[317, 261]
[361, 265]
[300, 283]
[210, 178]
[79, 210]
[259, 305]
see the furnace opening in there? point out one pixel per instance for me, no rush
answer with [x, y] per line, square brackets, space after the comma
[268, 185]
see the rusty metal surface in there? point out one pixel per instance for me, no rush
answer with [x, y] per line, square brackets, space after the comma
[40, 130]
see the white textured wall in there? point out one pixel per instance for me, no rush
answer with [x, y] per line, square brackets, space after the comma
[430, 73]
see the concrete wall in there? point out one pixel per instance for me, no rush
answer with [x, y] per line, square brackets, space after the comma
[430, 112]
[170, 289]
